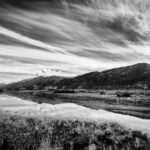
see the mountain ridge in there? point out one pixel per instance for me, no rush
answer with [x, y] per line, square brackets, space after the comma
[134, 76]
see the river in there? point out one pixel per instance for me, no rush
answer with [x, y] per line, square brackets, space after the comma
[70, 110]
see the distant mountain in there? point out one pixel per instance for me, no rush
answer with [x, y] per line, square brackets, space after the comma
[135, 76]
[2, 84]
[29, 84]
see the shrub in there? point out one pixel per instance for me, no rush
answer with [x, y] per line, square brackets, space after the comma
[64, 91]
[22, 133]
[102, 93]
[125, 94]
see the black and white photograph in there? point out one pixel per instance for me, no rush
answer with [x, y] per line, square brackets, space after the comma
[74, 74]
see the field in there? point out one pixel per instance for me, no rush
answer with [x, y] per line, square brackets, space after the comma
[31, 133]
[129, 102]
[26, 125]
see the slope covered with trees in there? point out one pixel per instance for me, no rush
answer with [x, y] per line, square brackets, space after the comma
[135, 76]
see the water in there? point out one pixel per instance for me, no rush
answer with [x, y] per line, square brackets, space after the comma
[13, 103]
[70, 110]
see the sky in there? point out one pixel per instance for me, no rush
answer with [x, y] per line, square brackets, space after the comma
[71, 38]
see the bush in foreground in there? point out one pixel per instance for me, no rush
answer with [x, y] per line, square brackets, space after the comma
[22, 133]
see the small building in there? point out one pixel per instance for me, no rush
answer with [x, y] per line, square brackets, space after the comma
[36, 87]
[47, 88]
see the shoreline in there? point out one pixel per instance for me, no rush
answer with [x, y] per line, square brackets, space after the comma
[72, 111]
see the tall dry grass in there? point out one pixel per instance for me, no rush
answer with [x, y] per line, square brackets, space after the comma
[28, 133]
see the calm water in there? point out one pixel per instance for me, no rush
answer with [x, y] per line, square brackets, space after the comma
[111, 105]
[71, 110]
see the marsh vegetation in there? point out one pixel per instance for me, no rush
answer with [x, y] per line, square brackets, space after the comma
[30, 133]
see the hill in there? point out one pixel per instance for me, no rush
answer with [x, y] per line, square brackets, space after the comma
[134, 76]
[29, 84]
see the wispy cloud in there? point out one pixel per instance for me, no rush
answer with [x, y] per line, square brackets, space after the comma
[19, 37]
[82, 38]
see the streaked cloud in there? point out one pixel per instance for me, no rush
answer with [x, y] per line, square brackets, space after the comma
[71, 40]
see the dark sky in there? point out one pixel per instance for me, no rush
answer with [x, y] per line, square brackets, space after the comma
[59, 38]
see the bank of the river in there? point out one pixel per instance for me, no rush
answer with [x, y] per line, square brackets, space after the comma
[137, 104]
[71, 111]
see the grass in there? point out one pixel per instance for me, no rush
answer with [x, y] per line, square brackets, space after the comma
[28, 133]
